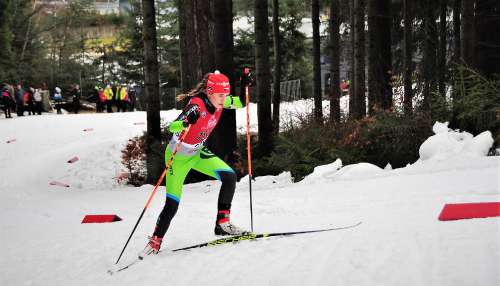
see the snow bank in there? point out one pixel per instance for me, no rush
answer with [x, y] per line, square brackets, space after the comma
[445, 146]
[447, 143]
[268, 182]
[359, 170]
[324, 172]
[335, 171]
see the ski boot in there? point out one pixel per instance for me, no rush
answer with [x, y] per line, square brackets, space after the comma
[153, 246]
[224, 227]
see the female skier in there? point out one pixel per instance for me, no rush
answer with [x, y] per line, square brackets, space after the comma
[202, 114]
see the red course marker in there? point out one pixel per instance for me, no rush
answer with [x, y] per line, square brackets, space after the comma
[73, 160]
[11, 140]
[470, 210]
[88, 129]
[56, 183]
[100, 218]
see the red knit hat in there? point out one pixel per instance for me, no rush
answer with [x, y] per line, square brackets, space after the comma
[218, 83]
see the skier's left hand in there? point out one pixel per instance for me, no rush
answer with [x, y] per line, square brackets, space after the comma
[232, 102]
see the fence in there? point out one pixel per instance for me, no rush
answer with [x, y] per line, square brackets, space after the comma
[290, 90]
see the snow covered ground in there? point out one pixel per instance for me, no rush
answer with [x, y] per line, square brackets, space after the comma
[400, 242]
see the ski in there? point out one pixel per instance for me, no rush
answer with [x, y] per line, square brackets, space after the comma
[113, 271]
[255, 236]
[235, 239]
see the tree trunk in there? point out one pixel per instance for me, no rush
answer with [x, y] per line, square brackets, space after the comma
[408, 57]
[488, 39]
[467, 38]
[6, 61]
[379, 55]
[204, 24]
[359, 59]
[151, 82]
[27, 37]
[189, 57]
[352, 85]
[196, 49]
[335, 61]
[442, 49]
[262, 77]
[318, 108]
[277, 68]
[223, 139]
[457, 7]
[429, 53]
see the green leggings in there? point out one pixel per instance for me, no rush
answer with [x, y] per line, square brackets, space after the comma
[202, 161]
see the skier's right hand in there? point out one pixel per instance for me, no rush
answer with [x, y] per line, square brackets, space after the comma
[192, 114]
[177, 126]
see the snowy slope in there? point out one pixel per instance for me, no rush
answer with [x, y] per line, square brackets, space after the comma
[400, 241]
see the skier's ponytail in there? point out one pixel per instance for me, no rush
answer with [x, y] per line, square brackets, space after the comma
[199, 88]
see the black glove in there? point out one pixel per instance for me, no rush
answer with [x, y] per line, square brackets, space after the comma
[247, 78]
[192, 114]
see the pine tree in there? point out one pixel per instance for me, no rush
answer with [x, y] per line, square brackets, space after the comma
[6, 63]
[277, 67]
[318, 98]
[151, 82]
[408, 56]
[359, 59]
[223, 139]
[335, 61]
[379, 55]
[262, 77]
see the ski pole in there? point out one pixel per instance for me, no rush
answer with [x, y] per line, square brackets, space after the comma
[156, 188]
[249, 154]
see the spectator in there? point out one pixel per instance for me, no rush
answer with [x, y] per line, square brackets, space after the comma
[58, 99]
[75, 94]
[19, 97]
[29, 101]
[117, 94]
[123, 99]
[132, 98]
[101, 100]
[108, 92]
[37, 96]
[6, 101]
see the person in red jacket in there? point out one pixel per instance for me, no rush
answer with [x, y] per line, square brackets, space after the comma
[101, 100]
[202, 113]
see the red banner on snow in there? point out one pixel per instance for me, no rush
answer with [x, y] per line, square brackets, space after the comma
[469, 210]
[56, 183]
[100, 218]
[73, 160]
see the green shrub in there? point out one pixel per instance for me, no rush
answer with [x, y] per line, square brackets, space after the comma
[134, 159]
[380, 139]
[476, 102]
